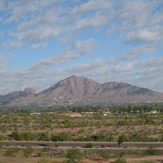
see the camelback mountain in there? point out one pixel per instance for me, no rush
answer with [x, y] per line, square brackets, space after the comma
[81, 90]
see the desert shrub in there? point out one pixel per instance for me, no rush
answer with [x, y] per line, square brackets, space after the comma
[104, 154]
[102, 136]
[28, 151]
[14, 135]
[68, 124]
[81, 131]
[86, 153]
[2, 137]
[46, 149]
[45, 160]
[131, 152]
[89, 145]
[11, 152]
[39, 154]
[120, 160]
[60, 154]
[162, 137]
[152, 151]
[74, 155]
[149, 121]
[138, 137]
[27, 136]
[42, 137]
[62, 136]
[122, 123]
[80, 139]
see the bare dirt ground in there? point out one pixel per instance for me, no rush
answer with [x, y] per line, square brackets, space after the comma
[157, 159]
[4, 159]
[153, 159]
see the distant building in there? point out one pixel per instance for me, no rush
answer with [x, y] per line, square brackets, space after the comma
[153, 111]
[35, 113]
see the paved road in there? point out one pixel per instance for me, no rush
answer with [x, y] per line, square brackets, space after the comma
[81, 144]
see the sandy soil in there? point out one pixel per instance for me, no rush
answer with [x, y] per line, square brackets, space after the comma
[154, 159]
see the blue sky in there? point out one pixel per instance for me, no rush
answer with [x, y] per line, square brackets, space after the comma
[42, 42]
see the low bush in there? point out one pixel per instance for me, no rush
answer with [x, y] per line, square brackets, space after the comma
[104, 154]
[152, 151]
[62, 136]
[74, 155]
[45, 160]
[89, 145]
[28, 151]
[120, 160]
[11, 152]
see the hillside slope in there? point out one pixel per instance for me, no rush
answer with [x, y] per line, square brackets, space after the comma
[78, 89]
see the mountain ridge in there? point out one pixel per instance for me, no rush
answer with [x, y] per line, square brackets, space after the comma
[75, 89]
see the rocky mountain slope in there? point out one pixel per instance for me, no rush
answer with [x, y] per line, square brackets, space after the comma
[14, 96]
[78, 89]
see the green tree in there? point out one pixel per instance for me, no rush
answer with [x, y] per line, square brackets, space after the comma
[14, 135]
[121, 140]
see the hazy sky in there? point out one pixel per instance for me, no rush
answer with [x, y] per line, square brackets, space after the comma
[44, 41]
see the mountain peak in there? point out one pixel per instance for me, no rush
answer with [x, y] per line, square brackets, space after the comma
[73, 76]
[76, 89]
[76, 77]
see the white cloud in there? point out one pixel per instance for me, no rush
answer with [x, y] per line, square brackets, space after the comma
[20, 9]
[130, 11]
[49, 17]
[42, 21]
[142, 73]
[38, 45]
[2, 63]
[91, 5]
[96, 20]
[14, 45]
[71, 53]
[34, 23]
[145, 73]
[137, 52]
[39, 34]
[128, 18]
[125, 67]
[145, 35]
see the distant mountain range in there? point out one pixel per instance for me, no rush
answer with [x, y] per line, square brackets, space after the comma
[75, 89]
